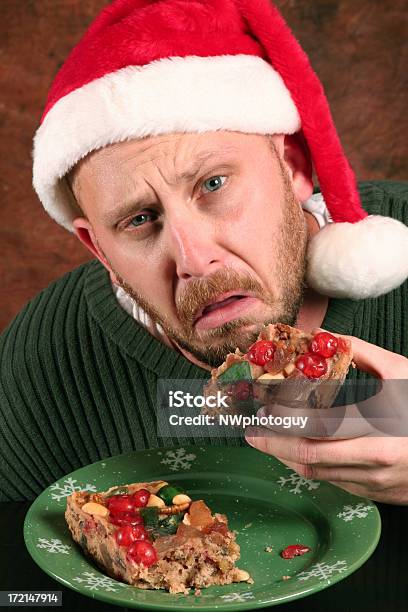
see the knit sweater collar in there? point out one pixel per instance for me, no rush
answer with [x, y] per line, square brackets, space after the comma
[160, 359]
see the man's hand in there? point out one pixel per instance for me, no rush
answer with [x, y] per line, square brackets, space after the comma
[373, 467]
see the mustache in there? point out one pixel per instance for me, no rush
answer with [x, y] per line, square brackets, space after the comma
[199, 292]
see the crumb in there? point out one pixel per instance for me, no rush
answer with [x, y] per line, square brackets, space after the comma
[285, 577]
[353, 364]
[268, 549]
[197, 592]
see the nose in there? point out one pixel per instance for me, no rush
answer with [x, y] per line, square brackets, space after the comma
[193, 245]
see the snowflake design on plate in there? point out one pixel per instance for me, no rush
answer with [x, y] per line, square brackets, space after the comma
[68, 487]
[93, 582]
[178, 459]
[350, 512]
[298, 482]
[53, 546]
[322, 570]
[238, 597]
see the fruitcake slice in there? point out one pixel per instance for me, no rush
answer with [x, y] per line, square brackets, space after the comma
[309, 368]
[153, 536]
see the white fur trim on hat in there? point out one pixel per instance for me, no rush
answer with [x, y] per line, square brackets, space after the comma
[190, 94]
[358, 260]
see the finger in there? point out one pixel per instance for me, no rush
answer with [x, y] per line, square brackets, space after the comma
[320, 424]
[357, 452]
[331, 474]
[304, 422]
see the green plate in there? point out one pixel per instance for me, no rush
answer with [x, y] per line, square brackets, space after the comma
[268, 504]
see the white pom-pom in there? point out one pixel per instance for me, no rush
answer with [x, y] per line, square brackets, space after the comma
[358, 260]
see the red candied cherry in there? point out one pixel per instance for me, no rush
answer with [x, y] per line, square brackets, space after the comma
[294, 550]
[121, 503]
[130, 533]
[142, 552]
[125, 518]
[241, 390]
[312, 366]
[324, 344]
[261, 352]
[141, 498]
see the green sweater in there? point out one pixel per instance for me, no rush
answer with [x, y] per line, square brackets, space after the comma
[79, 374]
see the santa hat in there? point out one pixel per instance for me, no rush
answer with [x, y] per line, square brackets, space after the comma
[147, 67]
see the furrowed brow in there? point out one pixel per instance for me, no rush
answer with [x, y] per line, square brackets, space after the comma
[122, 210]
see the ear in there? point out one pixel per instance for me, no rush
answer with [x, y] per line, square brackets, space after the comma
[293, 150]
[83, 230]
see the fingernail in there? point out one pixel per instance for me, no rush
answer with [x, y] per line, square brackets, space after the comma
[250, 440]
[250, 432]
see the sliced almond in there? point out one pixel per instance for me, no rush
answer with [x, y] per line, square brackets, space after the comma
[269, 376]
[155, 501]
[242, 575]
[181, 498]
[289, 369]
[96, 509]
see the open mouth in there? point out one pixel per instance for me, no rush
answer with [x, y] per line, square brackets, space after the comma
[221, 303]
[226, 308]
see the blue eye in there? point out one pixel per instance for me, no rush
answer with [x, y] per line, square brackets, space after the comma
[214, 183]
[142, 219]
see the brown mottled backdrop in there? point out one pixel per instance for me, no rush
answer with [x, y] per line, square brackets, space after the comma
[356, 47]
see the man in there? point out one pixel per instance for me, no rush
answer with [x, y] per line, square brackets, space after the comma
[177, 143]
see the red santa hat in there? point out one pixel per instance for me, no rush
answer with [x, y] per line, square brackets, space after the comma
[148, 67]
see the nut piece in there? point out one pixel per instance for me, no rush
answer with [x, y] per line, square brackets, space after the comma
[289, 369]
[94, 508]
[242, 575]
[269, 376]
[181, 498]
[155, 501]
[175, 509]
[186, 519]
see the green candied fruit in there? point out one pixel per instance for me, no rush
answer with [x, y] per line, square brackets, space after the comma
[168, 493]
[169, 525]
[118, 491]
[238, 371]
[150, 516]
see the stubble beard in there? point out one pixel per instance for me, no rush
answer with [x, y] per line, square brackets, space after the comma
[211, 346]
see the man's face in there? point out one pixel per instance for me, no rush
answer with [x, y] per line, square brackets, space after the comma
[203, 230]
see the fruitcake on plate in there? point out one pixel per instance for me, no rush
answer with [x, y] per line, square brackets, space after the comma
[152, 535]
